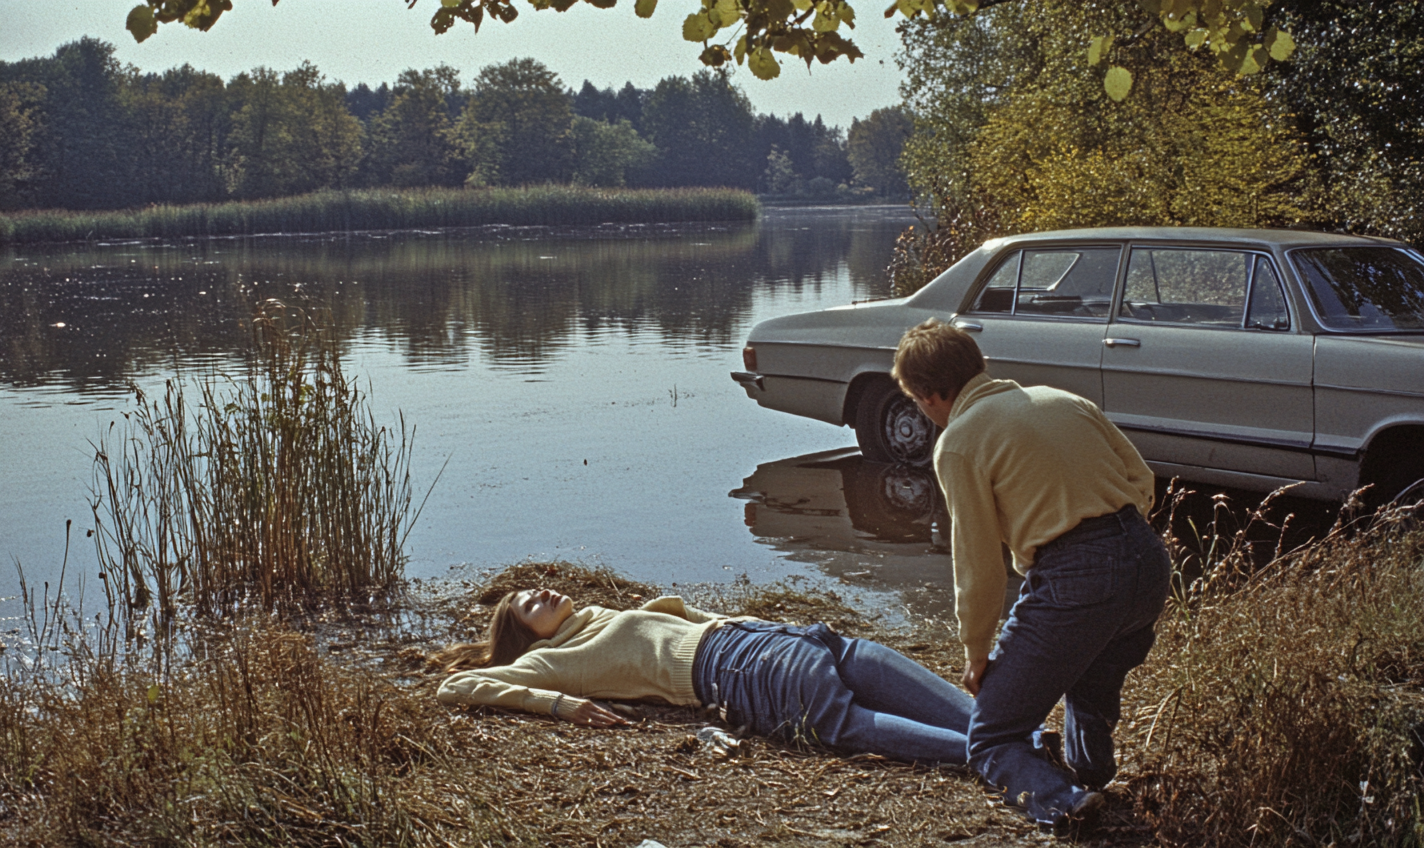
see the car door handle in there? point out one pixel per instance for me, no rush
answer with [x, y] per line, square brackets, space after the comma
[970, 326]
[1122, 342]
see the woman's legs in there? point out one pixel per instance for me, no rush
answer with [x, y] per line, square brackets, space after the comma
[885, 680]
[787, 682]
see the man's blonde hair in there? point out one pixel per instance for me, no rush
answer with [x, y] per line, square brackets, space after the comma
[935, 358]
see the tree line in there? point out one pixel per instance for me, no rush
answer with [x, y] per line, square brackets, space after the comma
[80, 131]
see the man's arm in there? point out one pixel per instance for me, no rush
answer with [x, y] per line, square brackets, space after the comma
[976, 547]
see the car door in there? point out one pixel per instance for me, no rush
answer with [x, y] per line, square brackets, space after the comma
[1203, 367]
[1041, 315]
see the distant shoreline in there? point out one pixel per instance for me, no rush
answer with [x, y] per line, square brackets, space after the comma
[385, 209]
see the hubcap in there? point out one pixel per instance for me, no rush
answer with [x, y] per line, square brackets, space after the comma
[908, 433]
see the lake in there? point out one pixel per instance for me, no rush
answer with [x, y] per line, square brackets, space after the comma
[575, 381]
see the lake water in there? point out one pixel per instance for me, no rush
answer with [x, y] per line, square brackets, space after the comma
[576, 381]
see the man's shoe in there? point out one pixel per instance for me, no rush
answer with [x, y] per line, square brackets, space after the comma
[1083, 818]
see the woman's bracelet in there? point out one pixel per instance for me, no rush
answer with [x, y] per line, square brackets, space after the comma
[554, 710]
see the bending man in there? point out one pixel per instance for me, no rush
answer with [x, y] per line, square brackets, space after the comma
[1046, 473]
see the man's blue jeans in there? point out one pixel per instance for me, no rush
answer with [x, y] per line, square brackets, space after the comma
[851, 695]
[1082, 621]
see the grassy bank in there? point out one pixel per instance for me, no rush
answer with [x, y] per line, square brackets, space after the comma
[386, 209]
[1286, 711]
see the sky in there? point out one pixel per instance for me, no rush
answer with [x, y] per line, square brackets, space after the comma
[372, 41]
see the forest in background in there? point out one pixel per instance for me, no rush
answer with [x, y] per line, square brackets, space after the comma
[78, 130]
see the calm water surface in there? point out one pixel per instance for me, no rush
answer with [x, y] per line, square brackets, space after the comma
[576, 382]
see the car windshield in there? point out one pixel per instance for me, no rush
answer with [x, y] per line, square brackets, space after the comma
[1364, 288]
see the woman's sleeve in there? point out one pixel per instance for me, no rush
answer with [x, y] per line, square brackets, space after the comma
[525, 685]
[673, 605]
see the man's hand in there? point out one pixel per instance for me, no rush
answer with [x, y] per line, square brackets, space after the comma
[590, 714]
[974, 675]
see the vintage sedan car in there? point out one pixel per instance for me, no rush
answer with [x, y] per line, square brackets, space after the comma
[1247, 358]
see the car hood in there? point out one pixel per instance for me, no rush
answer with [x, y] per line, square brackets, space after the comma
[878, 323]
[1380, 363]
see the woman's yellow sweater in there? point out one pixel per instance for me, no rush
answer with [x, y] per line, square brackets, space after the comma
[646, 653]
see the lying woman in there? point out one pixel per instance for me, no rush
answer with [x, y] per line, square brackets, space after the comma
[851, 695]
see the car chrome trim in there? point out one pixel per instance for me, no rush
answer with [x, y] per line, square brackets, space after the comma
[1367, 390]
[1123, 342]
[1294, 445]
[972, 326]
[746, 377]
[1165, 372]
[796, 343]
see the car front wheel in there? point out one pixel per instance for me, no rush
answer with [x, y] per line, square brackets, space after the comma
[890, 428]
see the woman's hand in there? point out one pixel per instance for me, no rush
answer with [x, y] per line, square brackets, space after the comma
[590, 714]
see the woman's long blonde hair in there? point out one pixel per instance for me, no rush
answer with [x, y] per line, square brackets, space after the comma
[508, 640]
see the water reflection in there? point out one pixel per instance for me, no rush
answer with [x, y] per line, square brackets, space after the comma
[88, 318]
[865, 523]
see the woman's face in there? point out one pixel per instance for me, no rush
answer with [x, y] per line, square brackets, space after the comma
[542, 611]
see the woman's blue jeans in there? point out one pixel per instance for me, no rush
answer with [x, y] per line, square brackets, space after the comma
[1082, 621]
[851, 695]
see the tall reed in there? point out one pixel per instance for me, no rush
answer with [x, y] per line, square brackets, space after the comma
[1284, 704]
[386, 209]
[279, 488]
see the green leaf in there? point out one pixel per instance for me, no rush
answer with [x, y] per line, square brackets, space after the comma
[1236, 58]
[1197, 37]
[1151, 7]
[1118, 82]
[1279, 44]
[779, 10]
[1256, 59]
[449, 4]
[763, 64]
[1098, 48]
[697, 28]
[740, 51]
[153, 692]
[141, 23]
[823, 22]
[726, 13]
[801, 5]
[1187, 21]
[645, 8]
[846, 12]
[1254, 14]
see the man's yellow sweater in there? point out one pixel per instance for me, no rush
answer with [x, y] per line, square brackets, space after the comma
[1022, 466]
[596, 653]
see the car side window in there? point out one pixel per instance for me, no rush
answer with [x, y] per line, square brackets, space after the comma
[1181, 286]
[1055, 282]
[998, 294]
[1267, 310]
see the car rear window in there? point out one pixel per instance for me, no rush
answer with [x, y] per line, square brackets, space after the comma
[1375, 289]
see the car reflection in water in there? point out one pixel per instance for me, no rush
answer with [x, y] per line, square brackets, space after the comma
[870, 525]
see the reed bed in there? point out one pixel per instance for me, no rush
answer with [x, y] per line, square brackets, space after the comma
[1284, 704]
[279, 489]
[386, 209]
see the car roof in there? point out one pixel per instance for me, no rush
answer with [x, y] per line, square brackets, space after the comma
[1256, 237]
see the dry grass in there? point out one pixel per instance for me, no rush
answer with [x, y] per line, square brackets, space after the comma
[325, 731]
[1284, 705]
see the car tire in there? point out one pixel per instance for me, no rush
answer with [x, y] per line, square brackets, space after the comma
[890, 428]
[1402, 485]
